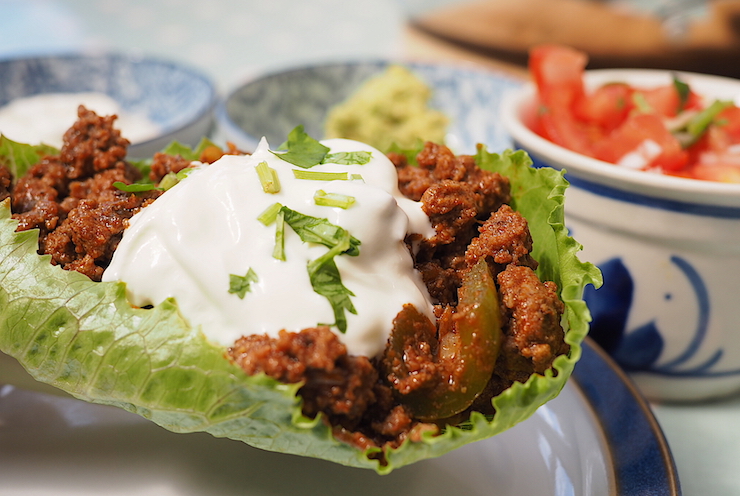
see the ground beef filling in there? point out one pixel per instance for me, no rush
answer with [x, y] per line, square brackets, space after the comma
[81, 216]
[70, 197]
[362, 397]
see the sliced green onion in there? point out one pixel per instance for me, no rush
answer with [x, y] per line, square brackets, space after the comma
[268, 178]
[325, 199]
[135, 187]
[168, 181]
[278, 252]
[184, 173]
[641, 103]
[319, 176]
[269, 215]
[701, 121]
[356, 177]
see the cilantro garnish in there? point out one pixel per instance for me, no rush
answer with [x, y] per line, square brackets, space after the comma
[683, 91]
[326, 281]
[317, 230]
[302, 150]
[322, 272]
[348, 158]
[241, 285]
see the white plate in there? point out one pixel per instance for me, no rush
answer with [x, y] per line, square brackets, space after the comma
[597, 438]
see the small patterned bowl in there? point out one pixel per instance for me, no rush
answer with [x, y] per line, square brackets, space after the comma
[275, 103]
[669, 250]
[177, 99]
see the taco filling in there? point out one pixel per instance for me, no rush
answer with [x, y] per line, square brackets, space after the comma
[399, 293]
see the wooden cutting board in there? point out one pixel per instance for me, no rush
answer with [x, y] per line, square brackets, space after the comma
[613, 37]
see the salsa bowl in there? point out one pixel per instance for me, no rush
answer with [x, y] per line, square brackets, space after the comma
[668, 247]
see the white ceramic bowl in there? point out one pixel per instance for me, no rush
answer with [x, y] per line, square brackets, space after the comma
[669, 249]
[272, 104]
[179, 100]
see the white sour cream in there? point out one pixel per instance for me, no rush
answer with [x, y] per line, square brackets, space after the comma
[187, 243]
[45, 118]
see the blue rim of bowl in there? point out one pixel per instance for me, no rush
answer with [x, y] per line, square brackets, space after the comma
[203, 112]
[642, 459]
[224, 121]
[644, 200]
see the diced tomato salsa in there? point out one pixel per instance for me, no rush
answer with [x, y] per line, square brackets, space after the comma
[667, 129]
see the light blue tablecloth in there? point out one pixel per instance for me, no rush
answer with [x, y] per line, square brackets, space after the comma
[233, 39]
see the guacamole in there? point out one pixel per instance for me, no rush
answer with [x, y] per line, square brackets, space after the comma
[391, 107]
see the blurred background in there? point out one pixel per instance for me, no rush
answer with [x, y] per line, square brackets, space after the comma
[233, 39]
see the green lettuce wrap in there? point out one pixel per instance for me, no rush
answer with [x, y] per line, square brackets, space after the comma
[84, 338]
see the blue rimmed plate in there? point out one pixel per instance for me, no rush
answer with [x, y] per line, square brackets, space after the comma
[597, 437]
[272, 104]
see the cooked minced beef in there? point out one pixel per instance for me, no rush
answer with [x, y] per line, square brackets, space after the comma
[81, 216]
[468, 209]
[71, 199]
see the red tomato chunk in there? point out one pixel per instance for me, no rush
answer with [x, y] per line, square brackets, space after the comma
[667, 129]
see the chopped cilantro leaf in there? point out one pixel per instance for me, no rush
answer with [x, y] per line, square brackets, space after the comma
[317, 230]
[241, 285]
[302, 150]
[327, 282]
[348, 158]
[683, 91]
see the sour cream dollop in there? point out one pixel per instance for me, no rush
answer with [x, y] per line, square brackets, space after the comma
[192, 238]
[44, 118]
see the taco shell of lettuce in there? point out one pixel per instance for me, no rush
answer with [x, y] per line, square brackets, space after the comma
[84, 338]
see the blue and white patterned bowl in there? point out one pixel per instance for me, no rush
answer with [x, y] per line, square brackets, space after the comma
[669, 249]
[178, 100]
[274, 104]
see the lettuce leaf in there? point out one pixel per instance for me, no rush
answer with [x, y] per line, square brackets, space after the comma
[19, 157]
[84, 338]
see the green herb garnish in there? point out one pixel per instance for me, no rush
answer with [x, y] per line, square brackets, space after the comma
[683, 91]
[241, 285]
[325, 199]
[320, 176]
[698, 124]
[641, 103]
[302, 150]
[268, 178]
[348, 158]
[317, 230]
[278, 252]
[269, 214]
[327, 282]
[135, 187]
[305, 152]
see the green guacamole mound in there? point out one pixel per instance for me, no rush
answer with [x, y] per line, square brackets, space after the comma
[391, 107]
